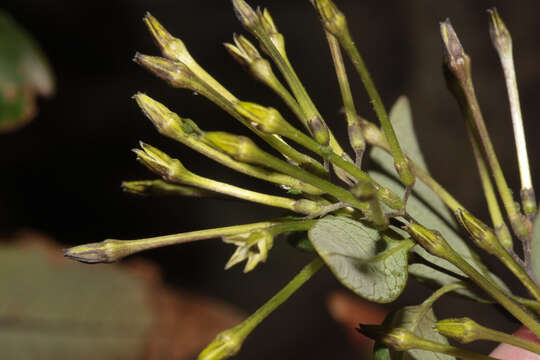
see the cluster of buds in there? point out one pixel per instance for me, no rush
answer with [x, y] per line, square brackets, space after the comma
[310, 173]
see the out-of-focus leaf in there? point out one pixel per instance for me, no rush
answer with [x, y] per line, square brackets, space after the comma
[436, 279]
[381, 352]
[24, 74]
[420, 320]
[53, 308]
[423, 205]
[371, 265]
[535, 255]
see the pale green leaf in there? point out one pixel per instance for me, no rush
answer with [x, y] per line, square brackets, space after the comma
[371, 265]
[423, 205]
[535, 254]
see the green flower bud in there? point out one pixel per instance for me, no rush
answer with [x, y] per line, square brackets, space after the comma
[332, 18]
[319, 130]
[240, 148]
[171, 47]
[245, 14]
[430, 240]
[480, 233]
[456, 61]
[106, 251]
[271, 30]
[248, 56]
[226, 344]
[265, 119]
[175, 73]
[167, 122]
[160, 163]
[464, 330]
[160, 187]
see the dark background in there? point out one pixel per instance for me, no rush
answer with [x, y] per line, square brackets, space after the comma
[61, 174]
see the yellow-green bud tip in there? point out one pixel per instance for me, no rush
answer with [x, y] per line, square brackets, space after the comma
[332, 18]
[482, 235]
[245, 14]
[319, 130]
[226, 344]
[265, 119]
[171, 47]
[464, 329]
[238, 147]
[159, 162]
[399, 339]
[167, 122]
[500, 36]
[100, 252]
[454, 54]
[430, 240]
[176, 73]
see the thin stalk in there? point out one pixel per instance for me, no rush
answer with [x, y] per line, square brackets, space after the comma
[495, 293]
[228, 342]
[503, 234]
[500, 337]
[303, 206]
[111, 250]
[502, 41]
[358, 142]
[400, 162]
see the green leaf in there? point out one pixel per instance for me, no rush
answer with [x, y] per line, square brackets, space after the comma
[371, 265]
[381, 352]
[300, 241]
[420, 320]
[535, 252]
[423, 205]
[24, 74]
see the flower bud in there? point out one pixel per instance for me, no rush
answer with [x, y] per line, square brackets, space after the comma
[248, 56]
[430, 240]
[245, 14]
[226, 344]
[175, 73]
[160, 187]
[240, 148]
[319, 130]
[464, 329]
[272, 32]
[171, 47]
[480, 233]
[106, 251]
[160, 163]
[332, 18]
[500, 36]
[253, 246]
[456, 61]
[265, 119]
[167, 122]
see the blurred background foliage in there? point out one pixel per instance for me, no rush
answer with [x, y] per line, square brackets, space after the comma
[61, 173]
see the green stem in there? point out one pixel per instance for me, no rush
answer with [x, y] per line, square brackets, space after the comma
[423, 344]
[494, 291]
[400, 162]
[304, 275]
[275, 141]
[111, 250]
[428, 303]
[348, 103]
[303, 206]
[500, 337]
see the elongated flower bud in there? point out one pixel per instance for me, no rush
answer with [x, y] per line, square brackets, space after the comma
[464, 329]
[175, 73]
[480, 233]
[265, 119]
[332, 18]
[106, 251]
[171, 47]
[240, 148]
[160, 163]
[226, 344]
[245, 53]
[430, 240]
[167, 122]
[245, 14]
[272, 32]
[162, 188]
